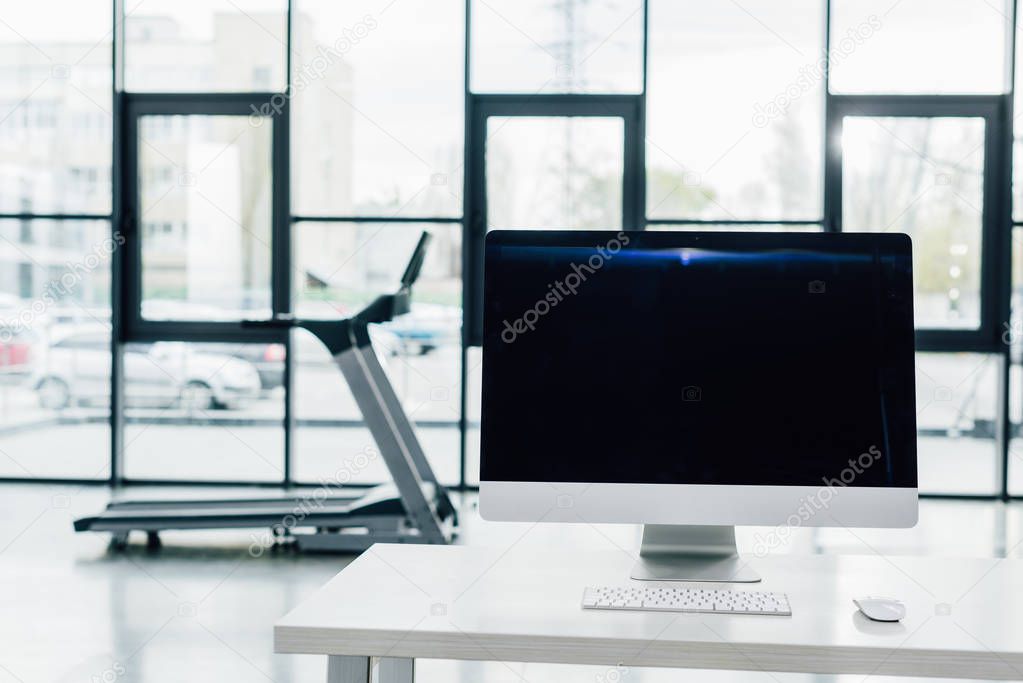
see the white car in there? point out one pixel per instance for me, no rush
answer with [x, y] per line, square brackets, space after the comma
[75, 370]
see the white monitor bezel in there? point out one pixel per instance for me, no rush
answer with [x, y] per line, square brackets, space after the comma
[691, 504]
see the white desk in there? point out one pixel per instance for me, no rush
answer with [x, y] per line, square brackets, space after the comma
[399, 602]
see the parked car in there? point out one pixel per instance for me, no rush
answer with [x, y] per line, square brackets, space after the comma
[75, 370]
[268, 359]
[16, 336]
[15, 350]
[426, 327]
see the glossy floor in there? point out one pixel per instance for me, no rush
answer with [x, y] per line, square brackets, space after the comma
[201, 608]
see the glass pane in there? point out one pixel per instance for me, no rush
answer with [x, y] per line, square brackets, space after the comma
[378, 107]
[55, 121]
[735, 110]
[878, 46]
[922, 176]
[206, 45]
[205, 217]
[956, 407]
[55, 348]
[1017, 147]
[554, 172]
[342, 267]
[554, 46]
[1012, 335]
[184, 401]
[711, 227]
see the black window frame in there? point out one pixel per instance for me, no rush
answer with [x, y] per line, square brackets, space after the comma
[480, 107]
[994, 112]
[135, 328]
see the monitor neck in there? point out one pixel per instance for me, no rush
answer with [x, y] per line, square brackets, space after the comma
[691, 553]
[660, 539]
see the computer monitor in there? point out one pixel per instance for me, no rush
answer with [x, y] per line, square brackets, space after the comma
[691, 382]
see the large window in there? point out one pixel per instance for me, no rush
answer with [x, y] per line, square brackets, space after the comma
[342, 267]
[554, 172]
[205, 45]
[377, 109]
[735, 110]
[55, 109]
[170, 173]
[204, 190]
[903, 47]
[55, 348]
[923, 177]
[543, 47]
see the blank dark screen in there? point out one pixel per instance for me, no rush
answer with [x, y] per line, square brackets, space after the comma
[698, 358]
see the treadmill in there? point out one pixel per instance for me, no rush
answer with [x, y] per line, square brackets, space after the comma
[414, 508]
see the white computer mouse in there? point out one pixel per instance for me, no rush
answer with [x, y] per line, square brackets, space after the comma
[881, 609]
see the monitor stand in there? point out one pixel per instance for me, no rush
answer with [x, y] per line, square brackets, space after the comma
[691, 553]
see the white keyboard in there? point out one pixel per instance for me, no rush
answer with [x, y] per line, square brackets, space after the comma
[661, 599]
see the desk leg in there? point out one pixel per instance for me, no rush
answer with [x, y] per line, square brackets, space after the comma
[349, 669]
[395, 670]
